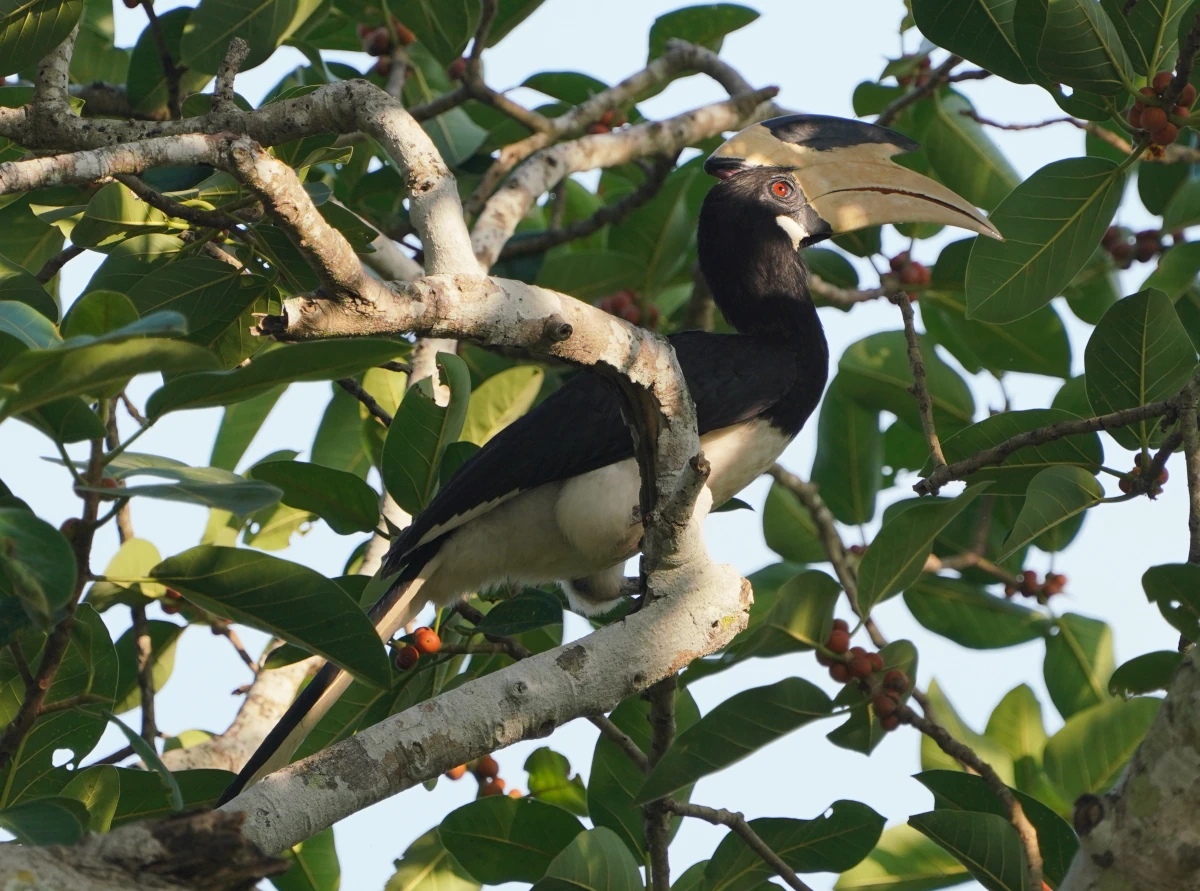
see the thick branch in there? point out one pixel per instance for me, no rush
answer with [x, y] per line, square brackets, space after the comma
[1191, 452]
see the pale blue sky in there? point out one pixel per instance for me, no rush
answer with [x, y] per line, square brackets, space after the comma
[816, 53]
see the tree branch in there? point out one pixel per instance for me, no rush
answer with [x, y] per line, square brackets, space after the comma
[1191, 450]
[169, 68]
[937, 77]
[52, 266]
[655, 816]
[235, 55]
[919, 390]
[354, 388]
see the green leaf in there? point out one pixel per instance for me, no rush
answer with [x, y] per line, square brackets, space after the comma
[143, 796]
[979, 30]
[337, 443]
[501, 839]
[95, 58]
[1080, 47]
[933, 758]
[1016, 724]
[147, 83]
[28, 326]
[133, 560]
[31, 28]
[969, 616]
[960, 152]
[454, 134]
[789, 529]
[48, 821]
[149, 755]
[1139, 353]
[985, 843]
[904, 860]
[705, 25]
[1054, 495]
[314, 865]
[239, 425]
[590, 273]
[97, 313]
[444, 27]
[849, 462]
[862, 731]
[114, 213]
[614, 778]
[658, 233]
[831, 266]
[263, 24]
[65, 420]
[798, 617]
[1182, 210]
[1079, 662]
[130, 261]
[1091, 292]
[20, 286]
[875, 373]
[1088, 754]
[428, 866]
[163, 637]
[733, 730]
[98, 788]
[311, 361]
[1175, 587]
[1176, 270]
[1148, 31]
[830, 843]
[281, 598]
[44, 376]
[341, 499]
[500, 400]
[531, 609]
[420, 433]
[37, 565]
[208, 486]
[1053, 221]
[1145, 673]
[1014, 475]
[595, 860]
[550, 780]
[957, 791]
[898, 553]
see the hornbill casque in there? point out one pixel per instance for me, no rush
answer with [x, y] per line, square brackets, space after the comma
[554, 496]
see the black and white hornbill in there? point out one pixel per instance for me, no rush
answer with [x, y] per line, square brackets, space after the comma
[554, 496]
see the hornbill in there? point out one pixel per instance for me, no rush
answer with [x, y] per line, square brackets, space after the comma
[554, 496]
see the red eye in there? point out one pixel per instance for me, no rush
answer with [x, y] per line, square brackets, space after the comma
[781, 189]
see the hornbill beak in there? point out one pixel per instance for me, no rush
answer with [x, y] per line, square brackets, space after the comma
[845, 171]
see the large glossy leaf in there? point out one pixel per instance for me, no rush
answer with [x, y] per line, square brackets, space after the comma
[789, 529]
[133, 560]
[1054, 495]
[1176, 270]
[281, 598]
[795, 617]
[97, 313]
[875, 373]
[18, 285]
[1145, 673]
[420, 433]
[47, 821]
[1016, 724]
[454, 134]
[1140, 352]
[501, 839]
[163, 636]
[311, 361]
[1088, 754]
[339, 498]
[932, 756]
[239, 425]
[147, 83]
[98, 788]
[862, 731]
[428, 866]
[31, 28]
[595, 860]
[1053, 221]
[314, 866]
[28, 326]
[148, 754]
[337, 442]
[144, 797]
[65, 420]
[979, 30]
[849, 462]
[500, 400]
[703, 24]
[614, 779]
[588, 274]
[550, 780]
[1148, 31]
[904, 860]
[969, 616]
[833, 842]
[1017, 471]
[529, 610]
[1079, 662]
[658, 232]
[37, 565]
[960, 151]
[733, 730]
[114, 213]
[985, 843]
[898, 553]
[1175, 587]
[263, 24]
[1080, 47]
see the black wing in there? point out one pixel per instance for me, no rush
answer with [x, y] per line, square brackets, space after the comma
[578, 428]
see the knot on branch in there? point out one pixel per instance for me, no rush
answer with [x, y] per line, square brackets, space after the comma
[557, 329]
[1089, 813]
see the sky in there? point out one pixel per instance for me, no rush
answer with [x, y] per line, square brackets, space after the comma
[815, 53]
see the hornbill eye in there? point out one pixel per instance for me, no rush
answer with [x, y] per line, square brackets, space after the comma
[782, 188]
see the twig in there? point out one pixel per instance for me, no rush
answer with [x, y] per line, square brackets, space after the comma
[399, 367]
[51, 267]
[1191, 451]
[845, 296]
[919, 390]
[613, 213]
[737, 823]
[132, 409]
[1037, 125]
[937, 77]
[71, 702]
[118, 755]
[931, 484]
[965, 756]
[120, 510]
[170, 69]
[18, 655]
[145, 671]
[487, 15]
[655, 816]
[351, 386]
[235, 55]
[225, 630]
[211, 219]
[974, 74]
[809, 496]
[1183, 65]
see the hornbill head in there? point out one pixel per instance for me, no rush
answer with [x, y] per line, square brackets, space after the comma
[824, 176]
